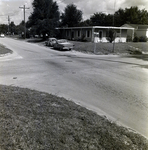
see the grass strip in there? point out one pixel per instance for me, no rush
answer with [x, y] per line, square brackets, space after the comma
[35, 120]
[4, 50]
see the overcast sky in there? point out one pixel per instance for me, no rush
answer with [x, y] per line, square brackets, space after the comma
[88, 7]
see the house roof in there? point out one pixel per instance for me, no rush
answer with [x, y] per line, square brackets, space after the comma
[98, 27]
[135, 26]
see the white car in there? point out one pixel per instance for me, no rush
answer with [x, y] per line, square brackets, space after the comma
[63, 44]
[2, 35]
[50, 42]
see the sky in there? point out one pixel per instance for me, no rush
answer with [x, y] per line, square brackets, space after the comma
[88, 7]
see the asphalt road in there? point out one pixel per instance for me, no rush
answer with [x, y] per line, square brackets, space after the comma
[114, 86]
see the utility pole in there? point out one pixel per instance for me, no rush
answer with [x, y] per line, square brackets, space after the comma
[24, 8]
[113, 26]
[8, 24]
[114, 13]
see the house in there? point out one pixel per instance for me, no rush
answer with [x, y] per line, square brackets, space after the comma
[139, 30]
[94, 33]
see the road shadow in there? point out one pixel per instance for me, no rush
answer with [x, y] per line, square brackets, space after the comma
[142, 56]
[55, 49]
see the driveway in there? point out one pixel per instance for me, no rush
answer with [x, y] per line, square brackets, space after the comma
[114, 86]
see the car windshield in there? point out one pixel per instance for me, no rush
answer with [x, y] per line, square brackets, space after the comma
[62, 41]
[51, 39]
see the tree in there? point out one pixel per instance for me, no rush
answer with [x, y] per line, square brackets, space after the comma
[12, 28]
[45, 17]
[131, 15]
[98, 19]
[101, 19]
[143, 17]
[119, 17]
[111, 35]
[109, 20]
[20, 29]
[85, 23]
[71, 16]
[3, 28]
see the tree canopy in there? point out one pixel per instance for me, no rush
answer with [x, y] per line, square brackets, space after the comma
[71, 16]
[131, 15]
[45, 17]
[3, 28]
[98, 19]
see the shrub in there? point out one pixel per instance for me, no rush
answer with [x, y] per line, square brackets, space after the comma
[136, 39]
[129, 39]
[143, 39]
[111, 35]
[83, 38]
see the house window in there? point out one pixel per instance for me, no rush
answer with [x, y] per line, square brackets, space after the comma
[67, 33]
[88, 33]
[78, 33]
[72, 35]
[100, 34]
[117, 31]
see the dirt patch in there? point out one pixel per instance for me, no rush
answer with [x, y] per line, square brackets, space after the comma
[34, 120]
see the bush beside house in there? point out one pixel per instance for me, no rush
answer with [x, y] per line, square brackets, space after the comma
[140, 39]
[140, 32]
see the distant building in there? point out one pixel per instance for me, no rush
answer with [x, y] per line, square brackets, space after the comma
[94, 33]
[139, 30]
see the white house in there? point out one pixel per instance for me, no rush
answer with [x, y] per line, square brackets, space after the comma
[94, 33]
[139, 30]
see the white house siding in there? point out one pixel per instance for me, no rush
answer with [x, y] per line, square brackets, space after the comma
[99, 35]
[138, 30]
[121, 36]
[93, 33]
[98, 40]
[141, 30]
[86, 33]
[120, 40]
[147, 33]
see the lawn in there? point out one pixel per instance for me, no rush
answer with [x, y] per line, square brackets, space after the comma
[4, 50]
[35, 120]
[110, 48]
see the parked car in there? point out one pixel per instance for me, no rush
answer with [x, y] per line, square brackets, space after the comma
[63, 44]
[50, 42]
[2, 35]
